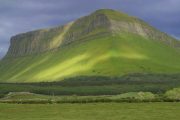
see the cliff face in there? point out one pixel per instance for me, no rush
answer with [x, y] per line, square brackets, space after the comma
[88, 26]
[143, 29]
[99, 23]
[33, 42]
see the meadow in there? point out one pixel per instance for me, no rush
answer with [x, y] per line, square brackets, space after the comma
[92, 111]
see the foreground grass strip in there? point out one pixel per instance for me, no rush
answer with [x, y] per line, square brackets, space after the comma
[99, 111]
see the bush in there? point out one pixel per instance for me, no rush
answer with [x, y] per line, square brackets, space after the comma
[134, 96]
[173, 95]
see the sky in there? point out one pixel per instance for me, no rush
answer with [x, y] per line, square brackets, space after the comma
[17, 16]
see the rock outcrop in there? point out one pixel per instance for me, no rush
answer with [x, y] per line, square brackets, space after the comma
[101, 22]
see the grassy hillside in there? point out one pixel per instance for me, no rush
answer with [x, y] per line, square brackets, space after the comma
[105, 43]
[112, 55]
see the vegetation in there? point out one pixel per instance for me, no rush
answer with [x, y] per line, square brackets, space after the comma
[173, 94]
[156, 83]
[100, 111]
[106, 43]
[107, 59]
[117, 56]
[31, 98]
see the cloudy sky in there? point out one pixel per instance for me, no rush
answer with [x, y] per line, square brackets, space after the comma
[18, 16]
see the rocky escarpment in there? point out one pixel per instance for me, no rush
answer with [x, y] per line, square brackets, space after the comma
[36, 41]
[143, 29]
[33, 42]
[95, 24]
[48, 39]
[99, 23]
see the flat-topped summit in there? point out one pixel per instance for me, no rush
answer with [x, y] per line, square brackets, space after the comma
[114, 14]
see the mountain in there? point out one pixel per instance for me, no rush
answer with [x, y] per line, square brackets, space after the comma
[105, 43]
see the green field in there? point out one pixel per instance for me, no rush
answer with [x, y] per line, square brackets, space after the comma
[100, 111]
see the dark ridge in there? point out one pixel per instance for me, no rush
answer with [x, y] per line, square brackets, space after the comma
[155, 83]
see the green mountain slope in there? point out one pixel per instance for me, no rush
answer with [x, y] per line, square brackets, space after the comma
[105, 43]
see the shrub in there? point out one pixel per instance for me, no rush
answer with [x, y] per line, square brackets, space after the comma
[173, 95]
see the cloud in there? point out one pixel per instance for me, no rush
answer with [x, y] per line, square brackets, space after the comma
[25, 15]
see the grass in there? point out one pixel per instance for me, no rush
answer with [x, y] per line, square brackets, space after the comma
[98, 85]
[117, 55]
[116, 15]
[99, 111]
